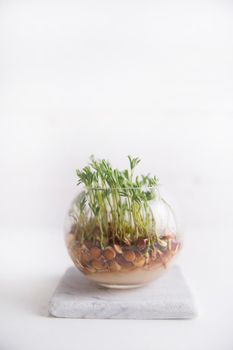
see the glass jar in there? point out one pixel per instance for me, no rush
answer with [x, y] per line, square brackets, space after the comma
[121, 238]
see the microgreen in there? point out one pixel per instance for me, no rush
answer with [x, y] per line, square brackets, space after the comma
[115, 204]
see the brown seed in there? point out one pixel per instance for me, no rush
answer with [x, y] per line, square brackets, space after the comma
[118, 248]
[129, 255]
[86, 257]
[95, 252]
[120, 260]
[141, 243]
[109, 253]
[97, 264]
[139, 262]
[114, 266]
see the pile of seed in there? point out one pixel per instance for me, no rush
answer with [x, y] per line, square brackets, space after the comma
[122, 258]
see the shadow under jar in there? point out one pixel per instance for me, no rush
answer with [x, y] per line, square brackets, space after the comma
[122, 237]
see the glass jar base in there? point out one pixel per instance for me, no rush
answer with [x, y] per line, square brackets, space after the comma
[121, 286]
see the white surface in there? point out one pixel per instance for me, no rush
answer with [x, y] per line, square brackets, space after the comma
[34, 262]
[169, 297]
[147, 78]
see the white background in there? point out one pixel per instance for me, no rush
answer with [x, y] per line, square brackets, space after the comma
[152, 79]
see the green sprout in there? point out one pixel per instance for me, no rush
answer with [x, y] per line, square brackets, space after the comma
[115, 205]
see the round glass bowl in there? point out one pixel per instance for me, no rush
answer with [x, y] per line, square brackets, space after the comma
[120, 241]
